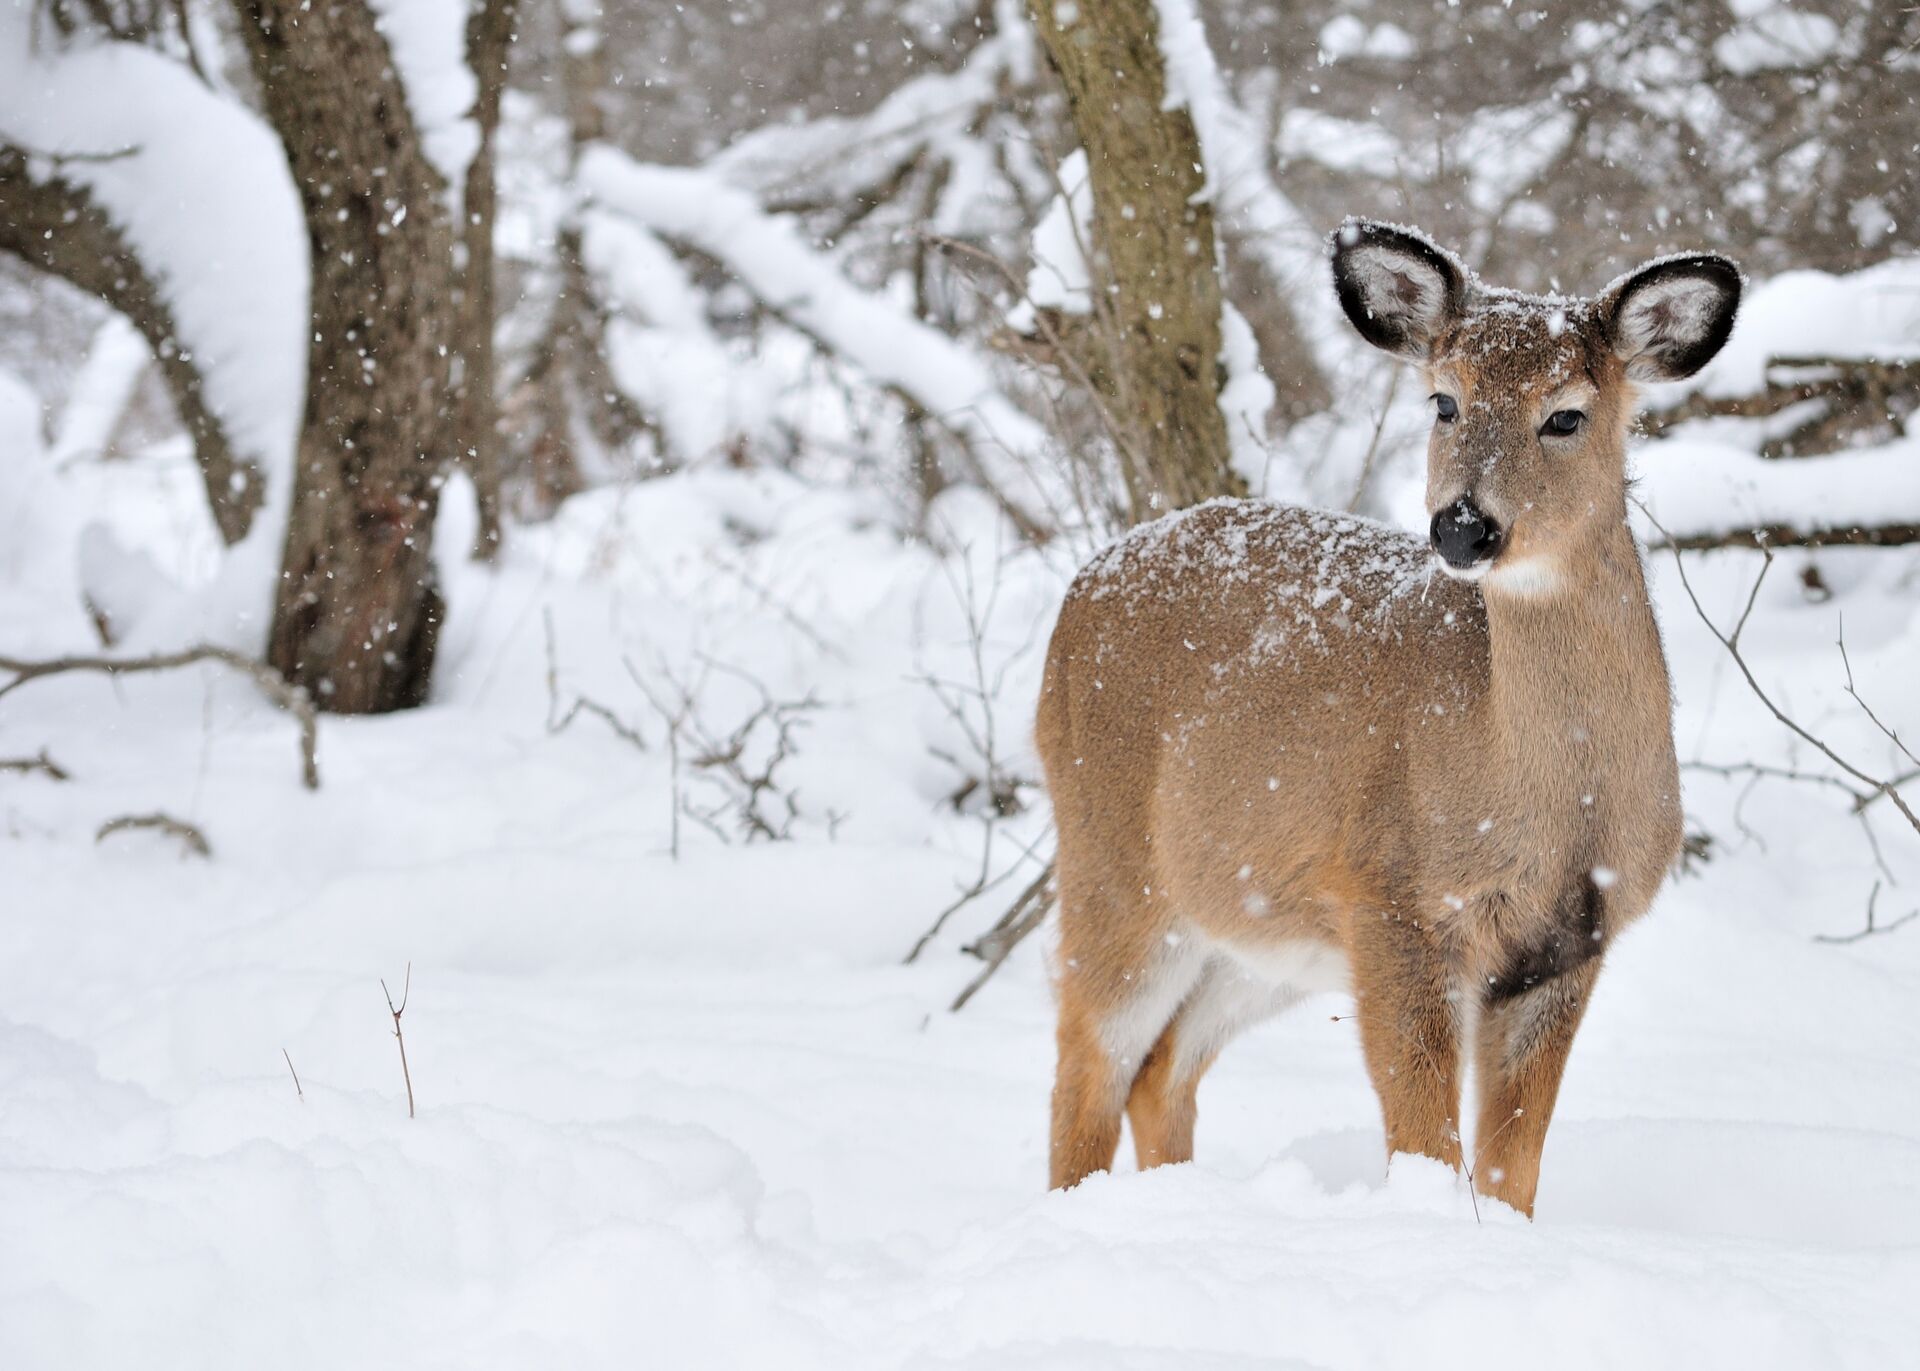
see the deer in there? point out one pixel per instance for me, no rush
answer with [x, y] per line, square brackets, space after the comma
[1292, 751]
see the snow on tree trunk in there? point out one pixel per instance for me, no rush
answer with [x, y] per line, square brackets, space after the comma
[1153, 234]
[357, 607]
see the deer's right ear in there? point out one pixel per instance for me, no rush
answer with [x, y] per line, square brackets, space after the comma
[1400, 289]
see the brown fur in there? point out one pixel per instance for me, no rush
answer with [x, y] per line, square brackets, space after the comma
[1273, 735]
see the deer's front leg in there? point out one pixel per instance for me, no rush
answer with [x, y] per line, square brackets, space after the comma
[1522, 1047]
[1410, 1034]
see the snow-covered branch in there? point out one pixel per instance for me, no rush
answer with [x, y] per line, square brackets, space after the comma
[769, 257]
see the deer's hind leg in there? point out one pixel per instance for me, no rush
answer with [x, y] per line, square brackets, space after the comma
[1121, 983]
[1164, 1104]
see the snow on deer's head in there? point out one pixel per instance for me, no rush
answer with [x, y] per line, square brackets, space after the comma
[1532, 394]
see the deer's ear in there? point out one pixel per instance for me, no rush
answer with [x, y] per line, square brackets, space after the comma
[1400, 289]
[1668, 318]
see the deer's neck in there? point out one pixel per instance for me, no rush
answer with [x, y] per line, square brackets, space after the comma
[1578, 697]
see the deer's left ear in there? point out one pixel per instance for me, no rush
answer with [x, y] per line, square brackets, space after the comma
[1668, 318]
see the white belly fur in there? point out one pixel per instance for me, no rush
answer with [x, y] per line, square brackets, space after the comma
[1305, 966]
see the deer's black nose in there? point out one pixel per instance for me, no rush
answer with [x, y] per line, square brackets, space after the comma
[1463, 535]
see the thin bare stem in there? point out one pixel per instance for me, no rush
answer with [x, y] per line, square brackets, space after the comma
[1732, 645]
[406, 990]
[1373, 447]
[1867, 709]
[558, 721]
[994, 946]
[296, 1076]
[1872, 928]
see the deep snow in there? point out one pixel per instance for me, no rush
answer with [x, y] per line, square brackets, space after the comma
[693, 1112]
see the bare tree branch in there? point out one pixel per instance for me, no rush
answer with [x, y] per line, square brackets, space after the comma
[1875, 784]
[291, 698]
[1872, 927]
[994, 946]
[559, 721]
[43, 764]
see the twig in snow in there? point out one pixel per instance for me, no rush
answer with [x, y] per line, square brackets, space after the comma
[277, 688]
[1872, 927]
[778, 606]
[994, 946]
[559, 721]
[406, 990]
[1480, 1146]
[195, 841]
[674, 723]
[982, 882]
[43, 764]
[296, 1076]
[964, 700]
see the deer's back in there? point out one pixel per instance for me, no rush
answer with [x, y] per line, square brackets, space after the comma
[1233, 690]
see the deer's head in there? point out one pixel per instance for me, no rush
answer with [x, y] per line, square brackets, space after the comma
[1532, 395]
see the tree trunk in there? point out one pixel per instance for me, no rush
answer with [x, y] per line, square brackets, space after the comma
[1154, 248]
[567, 395]
[489, 39]
[55, 225]
[357, 608]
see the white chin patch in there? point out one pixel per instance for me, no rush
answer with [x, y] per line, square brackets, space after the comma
[1524, 576]
[1477, 572]
[1517, 576]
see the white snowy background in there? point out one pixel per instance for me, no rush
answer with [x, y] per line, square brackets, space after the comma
[679, 1102]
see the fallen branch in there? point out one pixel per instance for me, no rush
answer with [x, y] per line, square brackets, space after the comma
[194, 840]
[43, 764]
[1783, 535]
[281, 692]
[1855, 395]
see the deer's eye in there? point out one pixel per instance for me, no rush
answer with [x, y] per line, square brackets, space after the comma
[1446, 407]
[1564, 421]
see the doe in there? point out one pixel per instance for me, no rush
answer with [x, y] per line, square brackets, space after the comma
[1286, 757]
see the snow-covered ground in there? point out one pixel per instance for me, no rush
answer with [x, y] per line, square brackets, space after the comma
[687, 1108]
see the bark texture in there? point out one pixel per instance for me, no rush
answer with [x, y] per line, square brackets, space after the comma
[1155, 251]
[489, 39]
[357, 607]
[54, 224]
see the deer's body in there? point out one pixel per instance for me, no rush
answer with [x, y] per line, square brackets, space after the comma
[1285, 755]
